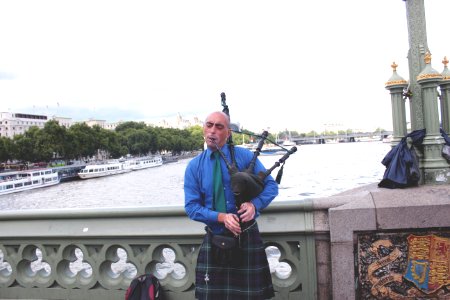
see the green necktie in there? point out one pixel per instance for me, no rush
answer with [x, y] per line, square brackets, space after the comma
[219, 194]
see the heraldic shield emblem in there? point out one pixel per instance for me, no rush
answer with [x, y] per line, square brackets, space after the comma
[428, 266]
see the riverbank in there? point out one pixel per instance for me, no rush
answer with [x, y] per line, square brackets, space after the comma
[11, 167]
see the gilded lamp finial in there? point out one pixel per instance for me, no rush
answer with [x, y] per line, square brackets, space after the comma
[445, 61]
[394, 66]
[428, 73]
[427, 58]
[395, 79]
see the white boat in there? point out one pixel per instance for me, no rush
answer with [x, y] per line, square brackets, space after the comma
[251, 147]
[18, 181]
[388, 139]
[288, 143]
[93, 171]
[272, 150]
[144, 163]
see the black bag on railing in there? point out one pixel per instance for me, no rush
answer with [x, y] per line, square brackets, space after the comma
[402, 164]
[446, 152]
[446, 147]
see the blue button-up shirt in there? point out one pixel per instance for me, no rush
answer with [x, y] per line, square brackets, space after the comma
[199, 186]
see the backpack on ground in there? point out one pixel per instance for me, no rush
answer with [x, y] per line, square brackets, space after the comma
[144, 287]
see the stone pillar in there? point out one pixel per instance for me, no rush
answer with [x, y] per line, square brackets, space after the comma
[396, 84]
[445, 97]
[435, 167]
[417, 38]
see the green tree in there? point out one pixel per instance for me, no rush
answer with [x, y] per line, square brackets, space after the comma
[166, 139]
[130, 125]
[139, 142]
[114, 145]
[71, 148]
[25, 146]
[53, 139]
[83, 140]
[101, 140]
[378, 130]
[6, 149]
[43, 147]
[312, 134]
[196, 138]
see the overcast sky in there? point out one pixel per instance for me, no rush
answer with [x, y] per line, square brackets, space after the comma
[299, 65]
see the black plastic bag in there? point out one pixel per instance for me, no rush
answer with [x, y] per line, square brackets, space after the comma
[446, 147]
[402, 164]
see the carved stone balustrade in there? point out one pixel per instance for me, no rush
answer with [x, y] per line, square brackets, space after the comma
[95, 253]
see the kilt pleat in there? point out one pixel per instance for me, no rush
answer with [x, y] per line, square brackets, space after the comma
[250, 281]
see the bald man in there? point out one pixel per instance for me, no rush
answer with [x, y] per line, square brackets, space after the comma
[247, 275]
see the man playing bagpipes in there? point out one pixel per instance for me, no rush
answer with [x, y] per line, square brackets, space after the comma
[232, 263]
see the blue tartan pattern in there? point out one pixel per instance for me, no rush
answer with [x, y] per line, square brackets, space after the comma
[251, 281]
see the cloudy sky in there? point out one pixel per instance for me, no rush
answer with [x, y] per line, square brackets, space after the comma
[300, 65]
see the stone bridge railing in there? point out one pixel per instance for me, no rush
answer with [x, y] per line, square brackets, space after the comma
[95, 253]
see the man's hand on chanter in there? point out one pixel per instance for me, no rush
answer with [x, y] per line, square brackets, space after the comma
[247, 211]
[231, 222]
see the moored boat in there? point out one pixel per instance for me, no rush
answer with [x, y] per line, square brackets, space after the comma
[144, 162]
[288, 143]
[68, 173]
[272, 150]
[93, 171]
[388, 139]
[18, 181]
[169, 159]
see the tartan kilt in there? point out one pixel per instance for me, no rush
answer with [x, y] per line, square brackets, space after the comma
[251, 280]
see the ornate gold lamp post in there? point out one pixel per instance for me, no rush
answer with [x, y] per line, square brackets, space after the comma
[445, 97]
[423, 96]
[396, 84]
[435, 167]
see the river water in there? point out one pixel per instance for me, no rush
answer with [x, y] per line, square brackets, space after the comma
[313, 171]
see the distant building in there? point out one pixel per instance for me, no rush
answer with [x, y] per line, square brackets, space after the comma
[178, 122]
[63, 121]
[12, 124]
[92, 122]
[103, 124]
[113, 125]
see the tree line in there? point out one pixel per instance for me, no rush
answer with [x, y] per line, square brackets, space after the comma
[80, 142]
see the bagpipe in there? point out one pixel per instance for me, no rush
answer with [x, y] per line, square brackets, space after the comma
[245, 184]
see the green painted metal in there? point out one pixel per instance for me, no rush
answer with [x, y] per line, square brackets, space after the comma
[396, 84]
[95, 253]
[423, 96]
[436, 168]
[445, 97]
[418, 46]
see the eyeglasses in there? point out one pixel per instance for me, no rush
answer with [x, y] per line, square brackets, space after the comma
[219, 126]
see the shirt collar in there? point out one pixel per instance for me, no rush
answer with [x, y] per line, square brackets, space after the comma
[210, 153]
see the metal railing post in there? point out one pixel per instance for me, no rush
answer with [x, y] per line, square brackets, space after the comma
[435, 167]
[396, 84]
[445, 97]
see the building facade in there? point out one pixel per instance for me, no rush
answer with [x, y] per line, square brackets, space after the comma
[12, 124]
